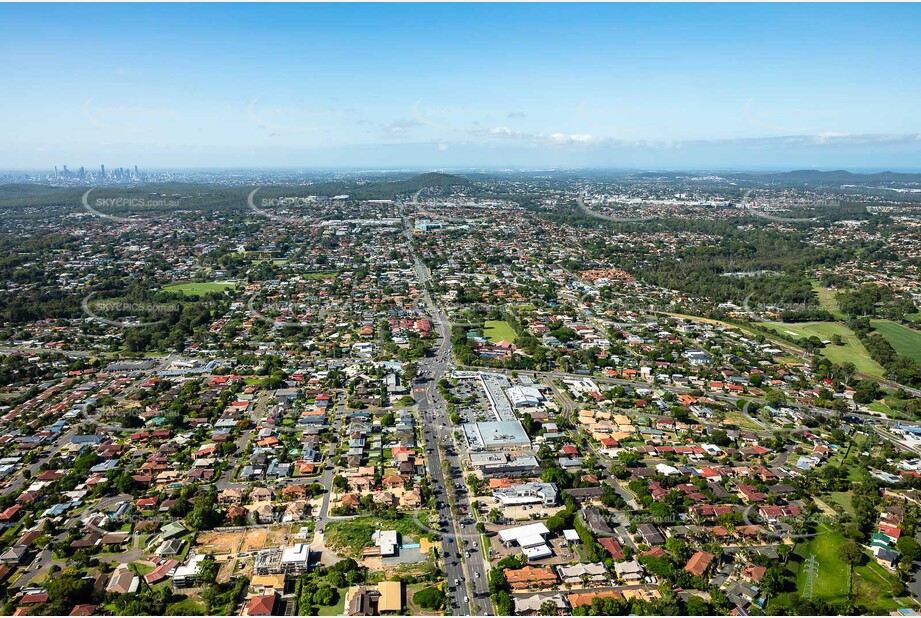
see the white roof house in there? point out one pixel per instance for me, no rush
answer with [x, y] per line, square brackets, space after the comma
[387, 541]
[186, 573]
[296, 556]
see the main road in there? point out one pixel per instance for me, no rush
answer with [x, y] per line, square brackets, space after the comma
[465, 567]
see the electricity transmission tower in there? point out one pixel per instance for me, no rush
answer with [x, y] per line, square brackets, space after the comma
[812, 569]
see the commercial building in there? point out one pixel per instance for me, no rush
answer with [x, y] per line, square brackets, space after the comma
[496, 435]
[529, 538]
[528, 493]
[495, 385]
[524, 396]
[505, 464]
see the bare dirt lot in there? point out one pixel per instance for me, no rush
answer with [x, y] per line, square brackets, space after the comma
[218, 542]
[255, 539]
[226, 571]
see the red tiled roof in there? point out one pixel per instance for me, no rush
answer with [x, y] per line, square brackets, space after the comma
[699, 563]
[262, 605]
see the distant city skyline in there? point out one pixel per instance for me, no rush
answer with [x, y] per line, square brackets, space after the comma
[692, 87]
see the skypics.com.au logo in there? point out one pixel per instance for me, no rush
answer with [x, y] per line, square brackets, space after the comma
[612, 218]
[772, 213]
[281, 208]
[122, 204]
[125, 314]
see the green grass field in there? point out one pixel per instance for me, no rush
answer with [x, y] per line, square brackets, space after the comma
[354, 534]
[497, 331]
[841, 501]
[905, 340]
[830, 584]
[828, 301]
[737, 418]
[326, 274]
[857, 445]
[199, 289]
[186, 607]
[852, 350]
[873, 585]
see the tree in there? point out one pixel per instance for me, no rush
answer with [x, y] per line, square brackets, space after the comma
[210, 597]
[548, 608]
[721, 438]
[207, 571]
[432, 598]
[866, 391]
[772, 582]
[909, 548]
[775, 398]
[559, 522]
[505, 605]
[850, 553]
[66, 589]
[784, 551]
[628, 458]
[326, 596]
[696, 606]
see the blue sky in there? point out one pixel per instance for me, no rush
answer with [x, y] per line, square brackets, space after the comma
[439, 86]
